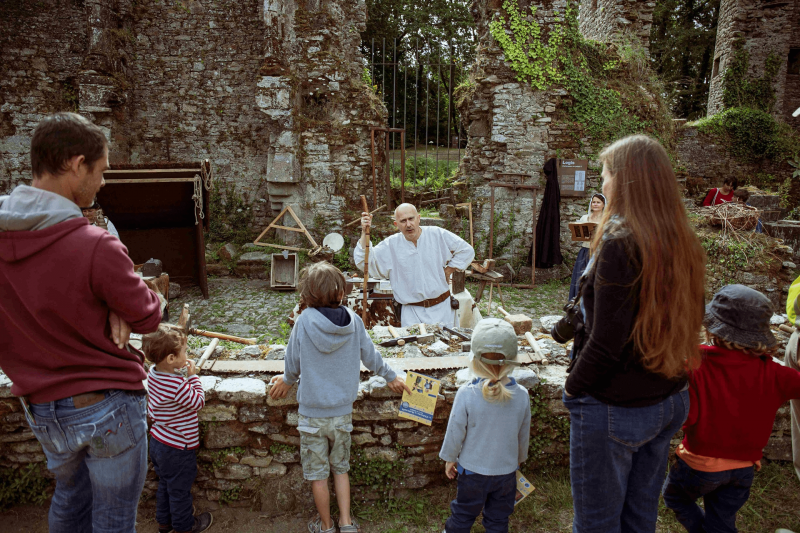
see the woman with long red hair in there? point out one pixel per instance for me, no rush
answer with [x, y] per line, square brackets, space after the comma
[642, 301]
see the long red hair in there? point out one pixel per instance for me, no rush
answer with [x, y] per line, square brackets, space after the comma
[644, 197]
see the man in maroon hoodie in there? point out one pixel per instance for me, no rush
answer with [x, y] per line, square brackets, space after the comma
[68, 301]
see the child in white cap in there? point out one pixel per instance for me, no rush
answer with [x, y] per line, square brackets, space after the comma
[488, 432]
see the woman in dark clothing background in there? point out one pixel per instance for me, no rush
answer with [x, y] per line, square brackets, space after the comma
[643, 308]
[595, 214]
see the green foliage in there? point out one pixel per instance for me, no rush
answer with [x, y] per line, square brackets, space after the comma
[278, 447]
[503, 235]
[682, 41]
[612, 93]
[548, 430]
[750, 133]
[230, 495]
[795, 164]
[415, 510]
[424, 174]
[378, 474]
[231, 215]
[740, 89]
[23, 485]
[218, 457]
[341, 259]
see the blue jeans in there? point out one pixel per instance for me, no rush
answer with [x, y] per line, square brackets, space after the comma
[495, 495]
[580, 265]
[99, 457]
[176, 471]
[723, 493]
[618, 460]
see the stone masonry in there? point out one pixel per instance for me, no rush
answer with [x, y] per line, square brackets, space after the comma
[614, 20]
[764, 28]
[270, 91]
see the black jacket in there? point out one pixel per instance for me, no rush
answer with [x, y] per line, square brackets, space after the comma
[548, 227]
[609, 367]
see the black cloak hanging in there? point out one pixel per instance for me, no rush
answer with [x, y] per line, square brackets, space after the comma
[548, 227]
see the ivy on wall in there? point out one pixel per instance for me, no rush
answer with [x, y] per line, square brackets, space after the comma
[612, 92]
[740, 89]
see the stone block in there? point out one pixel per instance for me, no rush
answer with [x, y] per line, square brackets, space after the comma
[292, 418]
[233, 471]
[225, 436]
[289, 399]
[376, 410]
[242, 390]
[287, 457]
[217, 413]
[415, 482]
[288, 492]
[525, 377]
[32, 446]
[380, 430]
[228, 251]
[360, 439]
[273, 470]
[18, 436]
[252, 413]
[381, 454]
[260, 462]
[254, 259]
[209, 384]
[266, 428]
[286, 439]
[386, 440]
[422, 435]
[405, 425]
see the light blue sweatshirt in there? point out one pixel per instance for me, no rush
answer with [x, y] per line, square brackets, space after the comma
[328, 359]
[485, 437]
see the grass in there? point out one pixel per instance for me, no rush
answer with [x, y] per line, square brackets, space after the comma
[544, 299]
[774, 502]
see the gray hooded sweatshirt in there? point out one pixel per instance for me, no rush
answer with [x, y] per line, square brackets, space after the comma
[31, 209]
[328, 358]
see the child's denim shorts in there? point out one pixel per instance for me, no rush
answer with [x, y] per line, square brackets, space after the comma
[325, 445]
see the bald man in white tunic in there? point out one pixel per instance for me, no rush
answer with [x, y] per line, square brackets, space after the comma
[418, 261]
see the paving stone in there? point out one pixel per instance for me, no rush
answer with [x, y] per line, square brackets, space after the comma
[217, 412]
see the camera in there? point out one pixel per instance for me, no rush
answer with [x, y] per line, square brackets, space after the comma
[564, 330]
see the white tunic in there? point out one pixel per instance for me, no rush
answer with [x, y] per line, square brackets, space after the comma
[417, 272]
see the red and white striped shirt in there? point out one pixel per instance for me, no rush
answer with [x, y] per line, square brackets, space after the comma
[173, 404]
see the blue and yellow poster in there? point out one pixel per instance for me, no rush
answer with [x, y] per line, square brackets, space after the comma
[420, 404]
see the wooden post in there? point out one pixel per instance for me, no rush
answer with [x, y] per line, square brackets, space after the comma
[364, 311]
[491, 229]
[403, 166]
[201, 256]
[374, 178]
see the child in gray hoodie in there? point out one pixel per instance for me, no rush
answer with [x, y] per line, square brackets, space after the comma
[326, 348]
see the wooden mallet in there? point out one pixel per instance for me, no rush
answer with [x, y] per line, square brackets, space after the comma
[521, 323]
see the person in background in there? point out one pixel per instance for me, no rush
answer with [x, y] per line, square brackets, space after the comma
[735, 394]
[722, 194]
[175, 435]
[595, 214]
[742, 196]
[487, 433]
[790, 360]
[94, 214]
[643, 299]
[325, 350]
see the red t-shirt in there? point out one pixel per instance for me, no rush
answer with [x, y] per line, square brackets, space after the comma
[734, 399]
[716, 196]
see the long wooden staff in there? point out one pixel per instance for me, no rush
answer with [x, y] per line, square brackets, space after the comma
[364, 314]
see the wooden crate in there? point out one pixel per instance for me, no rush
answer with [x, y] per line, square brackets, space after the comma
[283, 273]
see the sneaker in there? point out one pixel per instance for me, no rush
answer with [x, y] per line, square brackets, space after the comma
[315, 526]
[202, 522]
[352, 528]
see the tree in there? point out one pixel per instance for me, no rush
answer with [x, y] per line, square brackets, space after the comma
[682, 41]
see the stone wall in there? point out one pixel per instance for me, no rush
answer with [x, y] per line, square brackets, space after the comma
[615, 20]
[270, 91]
[764, 28]
[514, 128]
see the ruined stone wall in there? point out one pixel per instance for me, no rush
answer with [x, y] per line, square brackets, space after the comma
[514, 128]
[764, 28]
[270, 91]
[614, 20]
[791, 99]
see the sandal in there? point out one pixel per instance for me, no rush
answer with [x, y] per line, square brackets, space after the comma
[352, 528]
[315, 526]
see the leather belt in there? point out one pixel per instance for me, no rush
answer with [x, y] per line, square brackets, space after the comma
[430, 302]
[87, 398]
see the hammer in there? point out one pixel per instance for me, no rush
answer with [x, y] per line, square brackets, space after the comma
[397, 340]
[424, 337]
[521, 323]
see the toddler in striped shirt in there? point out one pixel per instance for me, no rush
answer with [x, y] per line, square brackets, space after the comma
[174, 437]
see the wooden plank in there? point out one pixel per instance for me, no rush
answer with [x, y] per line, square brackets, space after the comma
[300, 224]
[286, 228]
[153, 171]
[282, 247]
[151, 180]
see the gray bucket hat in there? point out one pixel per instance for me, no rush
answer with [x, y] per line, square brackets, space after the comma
[740, 314]
[495, 336]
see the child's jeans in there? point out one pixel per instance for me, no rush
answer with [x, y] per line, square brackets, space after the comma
[495, 495]
[176, 471]
[723, 493]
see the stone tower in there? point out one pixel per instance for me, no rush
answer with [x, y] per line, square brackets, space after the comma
[763, 27]
[612, 20]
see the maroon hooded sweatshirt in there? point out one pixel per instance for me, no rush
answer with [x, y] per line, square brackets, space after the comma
[59, 279]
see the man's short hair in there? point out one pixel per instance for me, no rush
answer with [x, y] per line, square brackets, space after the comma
[321, 285]
[62, 136]
[742, 194]
[167, 339]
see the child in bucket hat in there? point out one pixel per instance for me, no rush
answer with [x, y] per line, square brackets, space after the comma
[488, 431]
[735, 393]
